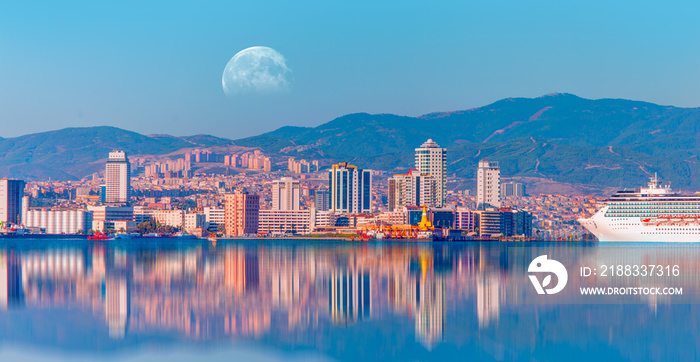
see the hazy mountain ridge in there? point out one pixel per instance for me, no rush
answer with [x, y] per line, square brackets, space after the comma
[611, 142]
[73, 153]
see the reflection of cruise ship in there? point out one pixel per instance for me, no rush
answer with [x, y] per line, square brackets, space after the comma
[651, 214]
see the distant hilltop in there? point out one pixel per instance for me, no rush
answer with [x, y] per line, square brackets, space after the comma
[561, 137]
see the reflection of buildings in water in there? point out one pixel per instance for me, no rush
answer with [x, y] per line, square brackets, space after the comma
[350, 296]
[11, 294]
[430, 316]
[251, 322]
[98, 265]
[234, 269]
[286, 286]
[120, 258]
[117, 306]
[57, 276]
[401, 289]
[290, 277]
[201, 294]
[54, 264]
[422, 296]
[238, 291]
[488, 298]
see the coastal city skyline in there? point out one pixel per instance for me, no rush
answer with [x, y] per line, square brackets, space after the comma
[305, 199]
[349, 181]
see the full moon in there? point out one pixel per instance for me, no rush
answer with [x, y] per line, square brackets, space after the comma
[255, 70]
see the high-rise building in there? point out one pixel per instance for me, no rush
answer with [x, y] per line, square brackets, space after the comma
[512, 189]
[25, 209]
[11, 193]
[432, 160]
[285, 194]
[241, 211]
[413, 189]
[351, 189]
[488, 185]
[117, 178]
[322, 199]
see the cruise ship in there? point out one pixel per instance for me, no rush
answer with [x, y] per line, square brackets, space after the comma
[649, 214]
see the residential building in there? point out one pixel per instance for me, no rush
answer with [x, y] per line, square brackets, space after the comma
[522, 223]
[142, 214]
[277, 222]
[488, 222]
[503, 222]
[111, 213]
[351, 189]
[117, 178]
[431, 159]
[488, 181]
[25, 208]
[413, 189]
[396, 217]
[512, 189]
[103, 217]
[322, 200]
[241, 212]
[11, 193]
[285, 194]
[464, 219]
[125, 226]
[173, 218]
[215, 218]
[194, 221]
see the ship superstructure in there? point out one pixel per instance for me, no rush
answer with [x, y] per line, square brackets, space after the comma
[650, 214]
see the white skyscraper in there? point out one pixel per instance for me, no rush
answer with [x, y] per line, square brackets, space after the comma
[117, 178]
[488, 185]
[432, 160]
[285, 194]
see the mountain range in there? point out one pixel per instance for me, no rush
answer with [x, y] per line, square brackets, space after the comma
[73, 153]
[562, 137]
[609, 142]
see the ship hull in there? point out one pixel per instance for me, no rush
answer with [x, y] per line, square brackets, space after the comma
[634, 229]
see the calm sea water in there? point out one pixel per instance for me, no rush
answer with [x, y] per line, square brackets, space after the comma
[283, 300]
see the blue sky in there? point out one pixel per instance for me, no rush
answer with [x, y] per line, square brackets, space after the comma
[156, 66]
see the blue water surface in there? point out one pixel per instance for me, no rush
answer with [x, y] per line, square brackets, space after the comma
[327, 300]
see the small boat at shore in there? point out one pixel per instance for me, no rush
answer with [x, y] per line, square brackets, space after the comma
[99, 236]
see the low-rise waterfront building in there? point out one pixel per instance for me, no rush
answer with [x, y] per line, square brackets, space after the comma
[277, 222]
